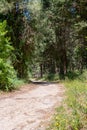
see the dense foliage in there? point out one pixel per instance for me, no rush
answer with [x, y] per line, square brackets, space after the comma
[62, 37]
[7, 73]
[49, 37]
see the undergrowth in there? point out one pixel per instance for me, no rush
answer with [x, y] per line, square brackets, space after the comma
[72, 115]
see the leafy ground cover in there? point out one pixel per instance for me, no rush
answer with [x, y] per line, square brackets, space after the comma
[72, 115]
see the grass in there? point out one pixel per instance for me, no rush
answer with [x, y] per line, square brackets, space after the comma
[72, 115]
[17, 83]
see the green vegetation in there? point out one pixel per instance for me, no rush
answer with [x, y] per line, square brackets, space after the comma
[48, 39]
[7, 72]
[72, 115]
[8, 77]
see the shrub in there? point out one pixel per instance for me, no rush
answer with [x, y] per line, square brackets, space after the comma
[7, 72]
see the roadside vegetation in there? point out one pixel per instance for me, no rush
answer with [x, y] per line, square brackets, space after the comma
[72, 115]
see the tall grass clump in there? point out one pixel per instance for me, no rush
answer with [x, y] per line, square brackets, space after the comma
[72, 115]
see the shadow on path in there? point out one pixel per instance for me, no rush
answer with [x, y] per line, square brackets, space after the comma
[43, 82]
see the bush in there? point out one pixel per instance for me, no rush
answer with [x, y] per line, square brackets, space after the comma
[7, 72]
[72, 75]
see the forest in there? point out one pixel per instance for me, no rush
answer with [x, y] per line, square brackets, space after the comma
[42, 38]
[47, 40]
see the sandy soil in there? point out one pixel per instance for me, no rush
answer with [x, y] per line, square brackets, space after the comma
[31, 108]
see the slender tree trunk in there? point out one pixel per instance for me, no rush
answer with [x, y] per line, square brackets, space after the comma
[41, 70]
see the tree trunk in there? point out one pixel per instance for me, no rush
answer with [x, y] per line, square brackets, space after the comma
[41, 70]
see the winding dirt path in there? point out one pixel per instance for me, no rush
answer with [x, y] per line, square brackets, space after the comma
[31, 108]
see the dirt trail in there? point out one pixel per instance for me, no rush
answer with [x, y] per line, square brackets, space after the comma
[30, 109]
